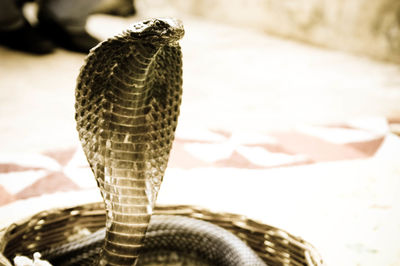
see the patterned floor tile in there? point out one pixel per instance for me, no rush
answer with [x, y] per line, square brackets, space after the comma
[53, 171]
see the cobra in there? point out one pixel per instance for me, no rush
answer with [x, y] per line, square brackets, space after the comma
[127, 105]
[128, 98]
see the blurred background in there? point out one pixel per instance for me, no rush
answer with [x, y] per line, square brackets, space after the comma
[290, 112]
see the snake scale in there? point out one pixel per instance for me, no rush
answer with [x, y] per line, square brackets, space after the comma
[128, 97]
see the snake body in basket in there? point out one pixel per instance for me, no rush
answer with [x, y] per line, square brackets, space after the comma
[127, 104]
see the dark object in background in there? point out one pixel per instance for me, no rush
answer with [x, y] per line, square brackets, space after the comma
[51, 32]
[26, 39]
[78, 41]
[61, 23]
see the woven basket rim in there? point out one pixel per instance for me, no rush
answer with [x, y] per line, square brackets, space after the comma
[274, 245]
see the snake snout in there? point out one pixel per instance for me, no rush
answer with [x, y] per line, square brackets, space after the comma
[160, 30]
[173, 28]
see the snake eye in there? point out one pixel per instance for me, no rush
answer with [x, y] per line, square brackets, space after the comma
[160, 23]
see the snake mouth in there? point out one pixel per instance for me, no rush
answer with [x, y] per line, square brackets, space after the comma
[160, 30]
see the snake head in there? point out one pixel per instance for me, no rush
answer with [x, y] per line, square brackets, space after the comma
[158, 31]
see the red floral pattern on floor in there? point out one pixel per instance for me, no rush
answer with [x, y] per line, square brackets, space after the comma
[32, 175]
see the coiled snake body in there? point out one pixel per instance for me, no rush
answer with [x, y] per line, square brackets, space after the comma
[127, 104]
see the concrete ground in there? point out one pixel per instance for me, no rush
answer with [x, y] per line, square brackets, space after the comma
[238, 79]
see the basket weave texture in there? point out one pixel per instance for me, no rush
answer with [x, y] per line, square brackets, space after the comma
[58, 226]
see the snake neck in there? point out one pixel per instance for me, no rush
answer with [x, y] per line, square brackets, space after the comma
[136, 151]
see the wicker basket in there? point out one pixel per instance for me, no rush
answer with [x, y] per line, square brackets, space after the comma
[54, 227]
